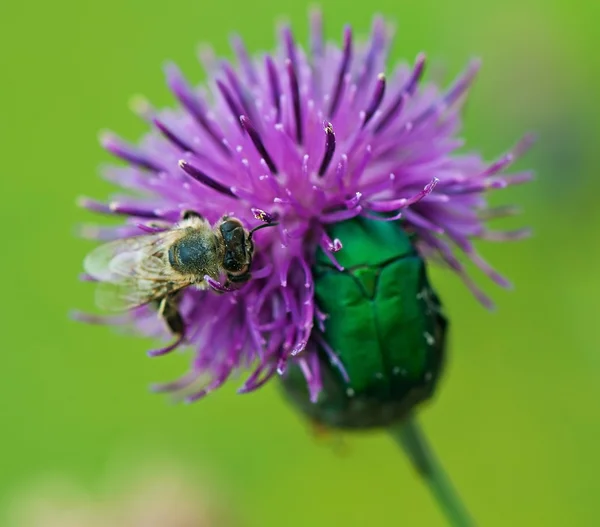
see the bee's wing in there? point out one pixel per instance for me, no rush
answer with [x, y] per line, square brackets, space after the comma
[134, 271]
[127, 294]
[128, 257]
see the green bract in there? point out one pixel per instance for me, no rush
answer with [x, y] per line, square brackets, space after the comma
[384, 323]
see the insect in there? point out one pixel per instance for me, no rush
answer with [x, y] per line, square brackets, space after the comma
[156, 267]
[385, 330]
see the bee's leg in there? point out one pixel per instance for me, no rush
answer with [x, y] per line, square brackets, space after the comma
[170, 314]
[216, 286]
[187, 214]
[168, 311]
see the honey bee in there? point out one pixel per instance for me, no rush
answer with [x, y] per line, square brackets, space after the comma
[156, 267]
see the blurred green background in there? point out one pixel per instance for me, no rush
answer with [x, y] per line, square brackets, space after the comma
[516, 420]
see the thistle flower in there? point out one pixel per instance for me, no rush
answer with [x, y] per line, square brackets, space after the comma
[310, 138]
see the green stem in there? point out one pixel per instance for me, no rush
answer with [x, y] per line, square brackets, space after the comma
[411, 438]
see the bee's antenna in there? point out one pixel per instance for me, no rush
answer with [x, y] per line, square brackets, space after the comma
[252, 231]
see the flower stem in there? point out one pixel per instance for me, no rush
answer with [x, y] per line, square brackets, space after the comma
[411, 438]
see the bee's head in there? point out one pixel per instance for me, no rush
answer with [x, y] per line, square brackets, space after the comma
[238, 254]
[239, 248]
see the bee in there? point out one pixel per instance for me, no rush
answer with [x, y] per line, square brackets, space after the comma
[156, 267]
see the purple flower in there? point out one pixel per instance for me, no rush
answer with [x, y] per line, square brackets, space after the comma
[311, 138]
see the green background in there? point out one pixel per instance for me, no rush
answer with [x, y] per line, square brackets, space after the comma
[516, 420]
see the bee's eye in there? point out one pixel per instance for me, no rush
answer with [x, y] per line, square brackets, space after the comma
[232, 262]
[229, 226]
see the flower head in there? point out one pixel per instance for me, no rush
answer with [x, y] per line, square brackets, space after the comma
[306, 138]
